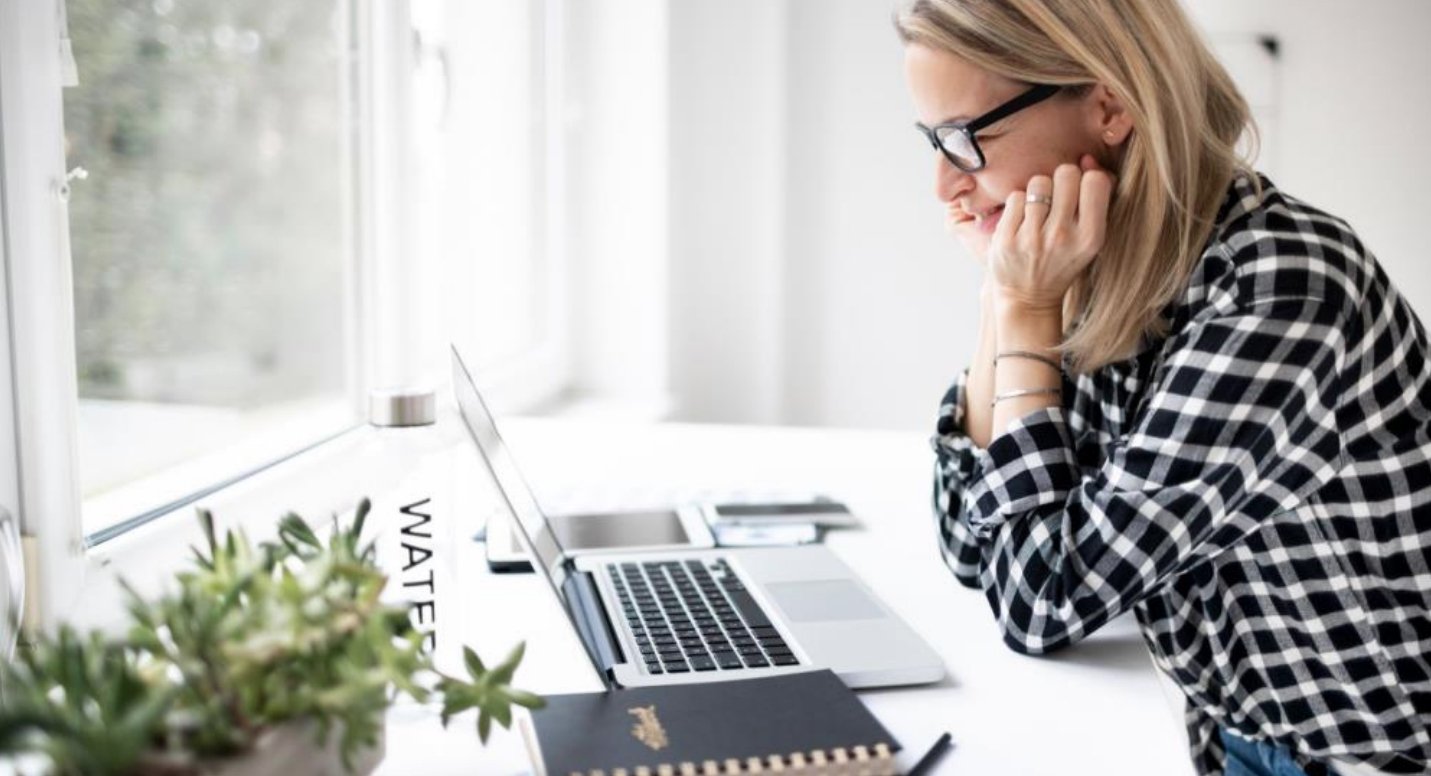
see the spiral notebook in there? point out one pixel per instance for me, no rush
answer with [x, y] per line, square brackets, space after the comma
[803, 723]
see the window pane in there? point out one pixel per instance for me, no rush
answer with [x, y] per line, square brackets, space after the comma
[211, 240]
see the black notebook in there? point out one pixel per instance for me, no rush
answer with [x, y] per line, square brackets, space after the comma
[802, 723]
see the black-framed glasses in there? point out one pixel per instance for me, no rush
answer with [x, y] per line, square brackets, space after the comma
[956, 138]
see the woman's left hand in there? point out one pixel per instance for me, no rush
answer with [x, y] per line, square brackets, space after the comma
[1041, 247]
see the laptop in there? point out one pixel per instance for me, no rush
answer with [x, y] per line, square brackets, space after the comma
[674, 616]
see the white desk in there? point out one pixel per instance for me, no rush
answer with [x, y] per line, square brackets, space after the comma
[1096, 708]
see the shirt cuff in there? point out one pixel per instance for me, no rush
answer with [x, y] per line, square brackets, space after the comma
[958, 455]
[1031, 465]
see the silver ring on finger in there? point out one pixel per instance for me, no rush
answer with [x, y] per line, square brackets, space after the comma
[1038, 199]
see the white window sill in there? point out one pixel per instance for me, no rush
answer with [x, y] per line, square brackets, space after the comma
[130, 472]
[327, 480]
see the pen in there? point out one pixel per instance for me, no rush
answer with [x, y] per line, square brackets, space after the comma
[931, 757]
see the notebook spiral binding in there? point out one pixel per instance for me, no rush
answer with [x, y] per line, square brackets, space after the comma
[858, 761]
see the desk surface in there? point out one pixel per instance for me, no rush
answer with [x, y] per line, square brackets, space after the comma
[1095, 708]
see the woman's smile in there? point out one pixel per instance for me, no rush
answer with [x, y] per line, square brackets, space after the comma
[988, 221]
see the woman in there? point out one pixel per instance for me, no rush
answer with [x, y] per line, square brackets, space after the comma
[1193, 396]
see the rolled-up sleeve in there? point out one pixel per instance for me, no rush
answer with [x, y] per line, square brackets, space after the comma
[1239, 426]
[957, 463]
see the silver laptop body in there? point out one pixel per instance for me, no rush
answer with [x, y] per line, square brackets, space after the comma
[677, 616]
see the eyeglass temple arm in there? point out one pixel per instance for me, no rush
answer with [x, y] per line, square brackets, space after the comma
[1036, 94]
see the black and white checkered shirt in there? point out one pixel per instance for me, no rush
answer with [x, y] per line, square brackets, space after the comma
[1256, 487]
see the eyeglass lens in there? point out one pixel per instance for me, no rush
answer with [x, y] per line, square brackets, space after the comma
[959, 147]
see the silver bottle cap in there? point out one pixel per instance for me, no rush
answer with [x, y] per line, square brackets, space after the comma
[399, 407]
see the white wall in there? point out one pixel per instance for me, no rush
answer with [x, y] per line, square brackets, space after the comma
[727, 209]
[812, 280]
[882, 300]
[618, 230]
[1355, 107]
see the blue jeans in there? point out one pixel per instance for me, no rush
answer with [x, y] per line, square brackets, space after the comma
[1257, 758]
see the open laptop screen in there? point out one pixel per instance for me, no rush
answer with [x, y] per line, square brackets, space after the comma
[541, 541]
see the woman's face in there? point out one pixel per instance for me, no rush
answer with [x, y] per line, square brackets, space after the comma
[1033, 141]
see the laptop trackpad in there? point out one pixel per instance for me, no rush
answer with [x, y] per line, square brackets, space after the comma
[830, 599]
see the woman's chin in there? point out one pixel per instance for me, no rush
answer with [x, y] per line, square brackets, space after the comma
[973, 240]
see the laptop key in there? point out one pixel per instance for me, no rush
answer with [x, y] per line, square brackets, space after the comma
[727, 660]
[654, 668]
[676, 668]
[784, 660]
[755, 661]
[702, 663]
[750, 610]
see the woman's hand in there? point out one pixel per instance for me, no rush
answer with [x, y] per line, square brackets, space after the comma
[1039, 248]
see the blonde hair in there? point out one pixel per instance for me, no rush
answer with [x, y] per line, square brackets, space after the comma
[1173, 170]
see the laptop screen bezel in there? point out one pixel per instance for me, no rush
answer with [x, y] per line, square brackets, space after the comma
[535, 530]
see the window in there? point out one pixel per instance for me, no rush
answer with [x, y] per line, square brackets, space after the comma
[270, 207]
[211, 241]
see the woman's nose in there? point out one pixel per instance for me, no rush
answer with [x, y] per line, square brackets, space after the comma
[950, 181]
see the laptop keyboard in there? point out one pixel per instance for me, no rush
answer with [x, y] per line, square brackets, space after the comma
[696, 616]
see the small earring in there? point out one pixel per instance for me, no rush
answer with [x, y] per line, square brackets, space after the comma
[1108, 135]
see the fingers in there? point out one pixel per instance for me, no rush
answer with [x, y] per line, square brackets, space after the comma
[1012, 218]
[1065, 195]
[1094, 193]
[1037, 202]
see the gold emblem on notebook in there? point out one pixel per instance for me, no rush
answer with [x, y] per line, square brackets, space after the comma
[648, 728]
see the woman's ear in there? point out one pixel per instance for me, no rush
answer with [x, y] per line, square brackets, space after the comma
[1108, 118]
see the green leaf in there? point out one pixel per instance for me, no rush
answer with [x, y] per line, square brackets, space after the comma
[484, 726]
[474, 663]
[361, 517]
[526, 699]
[501, 711]
[502, 674]
[206, 521]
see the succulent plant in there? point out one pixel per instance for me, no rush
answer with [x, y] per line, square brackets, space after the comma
[252, 637]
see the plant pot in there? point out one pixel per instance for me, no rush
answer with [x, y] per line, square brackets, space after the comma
[293, 748]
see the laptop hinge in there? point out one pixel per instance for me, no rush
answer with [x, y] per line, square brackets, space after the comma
[592, 624]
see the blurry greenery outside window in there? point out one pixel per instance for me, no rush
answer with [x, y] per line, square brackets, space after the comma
[211, 240]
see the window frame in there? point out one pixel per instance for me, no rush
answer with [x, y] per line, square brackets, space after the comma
[41, 320]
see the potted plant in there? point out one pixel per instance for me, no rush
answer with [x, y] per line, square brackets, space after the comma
[277, 657]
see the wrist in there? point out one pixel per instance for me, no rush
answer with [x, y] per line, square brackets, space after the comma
[1020, 317]
[1010, 304]
[1023, 326]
